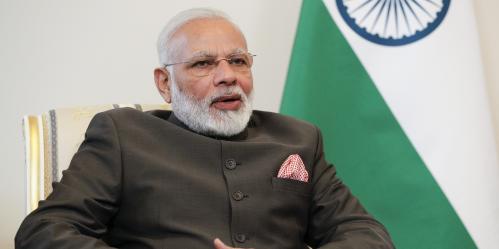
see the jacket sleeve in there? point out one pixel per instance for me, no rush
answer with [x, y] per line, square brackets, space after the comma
[337, 219]
[77, 212]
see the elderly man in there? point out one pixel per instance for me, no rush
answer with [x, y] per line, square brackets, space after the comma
[211, 170]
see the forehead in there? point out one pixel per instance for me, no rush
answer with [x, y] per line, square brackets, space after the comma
[208, 36]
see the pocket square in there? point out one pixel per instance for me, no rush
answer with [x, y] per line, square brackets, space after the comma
[293, 168]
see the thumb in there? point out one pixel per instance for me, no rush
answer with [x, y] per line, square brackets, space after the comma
[219, 244]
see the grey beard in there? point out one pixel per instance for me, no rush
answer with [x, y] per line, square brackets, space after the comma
[198, 116]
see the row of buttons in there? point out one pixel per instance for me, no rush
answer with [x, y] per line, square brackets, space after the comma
[231, 164]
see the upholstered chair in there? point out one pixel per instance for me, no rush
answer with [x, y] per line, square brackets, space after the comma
[51, 139]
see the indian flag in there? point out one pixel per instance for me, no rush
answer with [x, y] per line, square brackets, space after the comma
[397, 88]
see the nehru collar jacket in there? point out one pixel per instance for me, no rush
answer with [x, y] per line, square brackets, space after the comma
[144, 180]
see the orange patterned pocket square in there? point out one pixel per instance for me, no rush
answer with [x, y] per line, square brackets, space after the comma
[293, 168]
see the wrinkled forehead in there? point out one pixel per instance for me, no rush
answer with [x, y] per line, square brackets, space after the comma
[207, 37]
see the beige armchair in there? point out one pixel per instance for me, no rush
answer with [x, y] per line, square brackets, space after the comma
[51, 139]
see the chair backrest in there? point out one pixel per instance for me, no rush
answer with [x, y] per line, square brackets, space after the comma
[52, 138]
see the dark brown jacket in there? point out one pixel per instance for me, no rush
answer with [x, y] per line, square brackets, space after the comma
[143, 180]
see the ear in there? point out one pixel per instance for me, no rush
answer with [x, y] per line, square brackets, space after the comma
[162, 80]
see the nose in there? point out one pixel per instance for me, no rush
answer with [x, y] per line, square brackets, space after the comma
[224, 74]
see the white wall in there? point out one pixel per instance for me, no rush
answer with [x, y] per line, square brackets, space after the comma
[57, 53]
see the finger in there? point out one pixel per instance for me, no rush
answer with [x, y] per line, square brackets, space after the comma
[219, 244]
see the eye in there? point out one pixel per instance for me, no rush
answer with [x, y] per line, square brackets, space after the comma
[240, 61]
[202, 63]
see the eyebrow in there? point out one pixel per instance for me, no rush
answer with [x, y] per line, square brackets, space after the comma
[238, 50]
[204, 53]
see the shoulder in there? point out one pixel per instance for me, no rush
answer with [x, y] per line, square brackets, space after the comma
[283, 126]
[131, 113]
[280, 120]
[129, 118]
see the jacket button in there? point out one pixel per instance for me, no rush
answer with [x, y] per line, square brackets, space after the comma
[241, 238]
[238, 195]
[230, 164]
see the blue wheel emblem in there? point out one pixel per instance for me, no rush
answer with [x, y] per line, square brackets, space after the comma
[393, 22]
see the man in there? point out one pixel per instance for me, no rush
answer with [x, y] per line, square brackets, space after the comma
[210, 173]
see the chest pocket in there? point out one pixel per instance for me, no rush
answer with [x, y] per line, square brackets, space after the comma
[290, 206]
[291, 196]
[291, 186]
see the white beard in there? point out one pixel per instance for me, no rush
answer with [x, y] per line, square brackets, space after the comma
[198, 116]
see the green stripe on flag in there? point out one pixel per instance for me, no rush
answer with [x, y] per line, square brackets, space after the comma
[328, 86]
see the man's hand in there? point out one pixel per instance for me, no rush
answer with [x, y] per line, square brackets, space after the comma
[220, 245]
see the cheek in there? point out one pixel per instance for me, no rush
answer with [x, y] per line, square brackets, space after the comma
[247, 85]
[199, 89]
[195, 87]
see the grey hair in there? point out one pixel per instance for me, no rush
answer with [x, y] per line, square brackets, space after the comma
[163, 46]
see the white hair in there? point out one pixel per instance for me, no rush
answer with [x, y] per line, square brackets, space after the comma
[163, 44]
